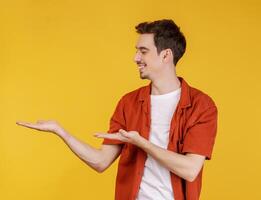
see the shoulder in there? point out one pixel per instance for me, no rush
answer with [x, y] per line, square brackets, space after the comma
[200, 99]
[136, 95]
[202, 108]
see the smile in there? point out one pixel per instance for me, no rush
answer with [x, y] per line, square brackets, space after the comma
[141, 66]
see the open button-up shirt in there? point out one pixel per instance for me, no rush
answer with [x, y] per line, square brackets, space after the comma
[193, 129]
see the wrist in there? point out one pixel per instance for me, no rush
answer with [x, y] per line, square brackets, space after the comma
[142, 142]
[61, 133]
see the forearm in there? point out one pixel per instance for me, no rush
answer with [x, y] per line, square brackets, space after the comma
[184, 166]
[91, 156]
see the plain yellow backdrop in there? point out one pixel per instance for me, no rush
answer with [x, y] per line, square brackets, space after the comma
[72, 61]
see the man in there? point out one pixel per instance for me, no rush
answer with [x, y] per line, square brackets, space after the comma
[163, 131]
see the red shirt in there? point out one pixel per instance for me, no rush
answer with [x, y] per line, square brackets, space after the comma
[192, 130]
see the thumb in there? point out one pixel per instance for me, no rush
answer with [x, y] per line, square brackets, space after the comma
[123, 132]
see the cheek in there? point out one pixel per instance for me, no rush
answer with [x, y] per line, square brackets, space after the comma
[149, 59]
[155, 63]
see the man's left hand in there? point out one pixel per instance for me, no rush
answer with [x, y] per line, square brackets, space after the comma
[132, 137]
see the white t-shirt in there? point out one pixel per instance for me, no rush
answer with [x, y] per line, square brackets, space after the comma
[156, 182]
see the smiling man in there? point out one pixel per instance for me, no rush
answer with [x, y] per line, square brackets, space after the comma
[163, 132]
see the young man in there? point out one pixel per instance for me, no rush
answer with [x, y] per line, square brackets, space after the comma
[163, 131]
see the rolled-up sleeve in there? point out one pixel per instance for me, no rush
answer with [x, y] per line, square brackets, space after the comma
[117, 122]
[200, 137]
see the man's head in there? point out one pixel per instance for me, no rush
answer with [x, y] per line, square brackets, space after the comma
[160, 43]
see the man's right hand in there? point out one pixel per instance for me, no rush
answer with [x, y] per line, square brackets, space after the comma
[43, 125]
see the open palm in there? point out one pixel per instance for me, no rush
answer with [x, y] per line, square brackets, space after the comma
[42, 125]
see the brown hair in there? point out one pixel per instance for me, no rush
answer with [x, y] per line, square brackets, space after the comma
[166, 35]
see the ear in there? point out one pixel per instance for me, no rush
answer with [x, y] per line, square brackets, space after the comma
[167, 55]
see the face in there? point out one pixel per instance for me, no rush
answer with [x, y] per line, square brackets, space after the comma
[148, 61]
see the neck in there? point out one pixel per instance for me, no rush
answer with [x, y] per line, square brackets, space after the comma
[165, 85]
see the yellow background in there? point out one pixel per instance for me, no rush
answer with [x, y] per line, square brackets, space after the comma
[72, 61]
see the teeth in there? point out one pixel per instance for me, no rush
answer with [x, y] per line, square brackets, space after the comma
[141, 66]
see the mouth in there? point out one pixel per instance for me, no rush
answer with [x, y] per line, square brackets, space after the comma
[141, 66]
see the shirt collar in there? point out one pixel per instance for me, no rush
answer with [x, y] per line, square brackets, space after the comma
[185, 99]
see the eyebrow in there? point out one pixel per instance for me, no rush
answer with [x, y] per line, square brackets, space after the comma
[142, 48]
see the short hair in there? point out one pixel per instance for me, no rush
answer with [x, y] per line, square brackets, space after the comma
[166, 35]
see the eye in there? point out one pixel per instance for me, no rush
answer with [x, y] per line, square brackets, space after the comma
[143, 52]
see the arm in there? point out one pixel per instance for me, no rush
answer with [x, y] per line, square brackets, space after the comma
[98, 159]
[199, 139]
[186, 166]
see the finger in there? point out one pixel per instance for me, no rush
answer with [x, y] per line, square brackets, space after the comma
[114, 136]
[123, 133]
[99, 134]
[27, 124]
[23, 123]
[105, 135]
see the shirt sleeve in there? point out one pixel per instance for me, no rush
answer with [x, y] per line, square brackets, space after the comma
[117, 122]
[200, 137]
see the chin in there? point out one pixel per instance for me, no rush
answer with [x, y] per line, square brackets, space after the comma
[144, 77]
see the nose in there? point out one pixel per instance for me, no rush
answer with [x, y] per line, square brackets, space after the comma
[137, 57]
